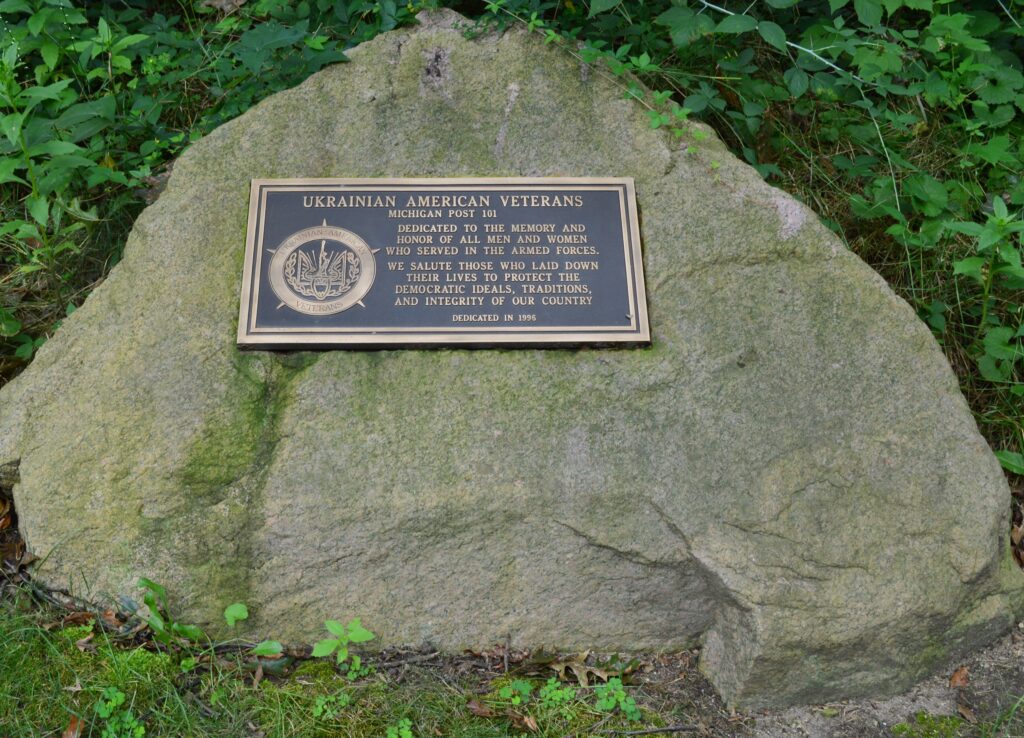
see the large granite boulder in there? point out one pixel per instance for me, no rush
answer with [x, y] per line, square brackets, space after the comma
[789, 474]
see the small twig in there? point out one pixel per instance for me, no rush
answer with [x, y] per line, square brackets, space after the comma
[653, 731]
[410, 660]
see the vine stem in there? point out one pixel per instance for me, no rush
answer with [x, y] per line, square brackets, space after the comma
[1008, 13]
[798, 47]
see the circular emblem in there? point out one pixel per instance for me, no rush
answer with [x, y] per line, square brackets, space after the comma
[322, 270]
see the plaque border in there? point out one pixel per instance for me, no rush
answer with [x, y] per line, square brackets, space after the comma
[636, 334]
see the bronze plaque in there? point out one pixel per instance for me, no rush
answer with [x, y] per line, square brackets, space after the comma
[360, 263]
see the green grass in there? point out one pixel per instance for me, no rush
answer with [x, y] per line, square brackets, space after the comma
[50, 675]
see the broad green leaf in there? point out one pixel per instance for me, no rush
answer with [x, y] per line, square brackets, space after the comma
[155, 588]
[38, 20]
[26, 348]
[9, 325]
[325, 647]
[796, 80]
[35, 95]
[992, 370]
[970, 267]
[684, 25]
[928, 193]
[267, 648]
[936, 85]
[995, 151]
[602, 6]
[342, 653]
[127, 41]
[39, 209]
[10, 126]
[51, 53]
[103, 31]
[235, 612]
[968, 229]
[736, 24]
[15, 6]
[54, 147]
[335, 628]
[10, 56]
[155, 620]
[47, 92]
[85, 119]
[773, 34]
[7, 169]
[869, 12]
[357, 633]
[999, 207]
[998, 84]
[190, 632]
[1011, 461]
[834, 5]
[999, 344]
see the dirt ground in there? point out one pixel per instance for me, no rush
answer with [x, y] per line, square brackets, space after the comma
[984, 687]
[990, 686]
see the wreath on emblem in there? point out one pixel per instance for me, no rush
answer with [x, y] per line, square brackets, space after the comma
[328, 275]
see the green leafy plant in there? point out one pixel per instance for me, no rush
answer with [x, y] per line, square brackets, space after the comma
[403, 729]
[97, 99]
[157, 615]
[611, 696]
[343, 635]
[330, 707]
[516, 692]
[118, 721]
[555, 697]
[997, 260]
[235, 613]
[267, 649]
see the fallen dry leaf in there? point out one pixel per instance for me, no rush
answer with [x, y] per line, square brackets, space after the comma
[113, 619]
[580, 671]
[966, 713]
[78, 618]
[12, 552]
[523, 722]
[74, 729]
[959, 678]
[75, 618]
[479, 709]
[76, 687]
[84, 644]
[1016, 533]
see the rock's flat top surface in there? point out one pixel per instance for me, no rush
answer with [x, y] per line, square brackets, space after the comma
[789, 473]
